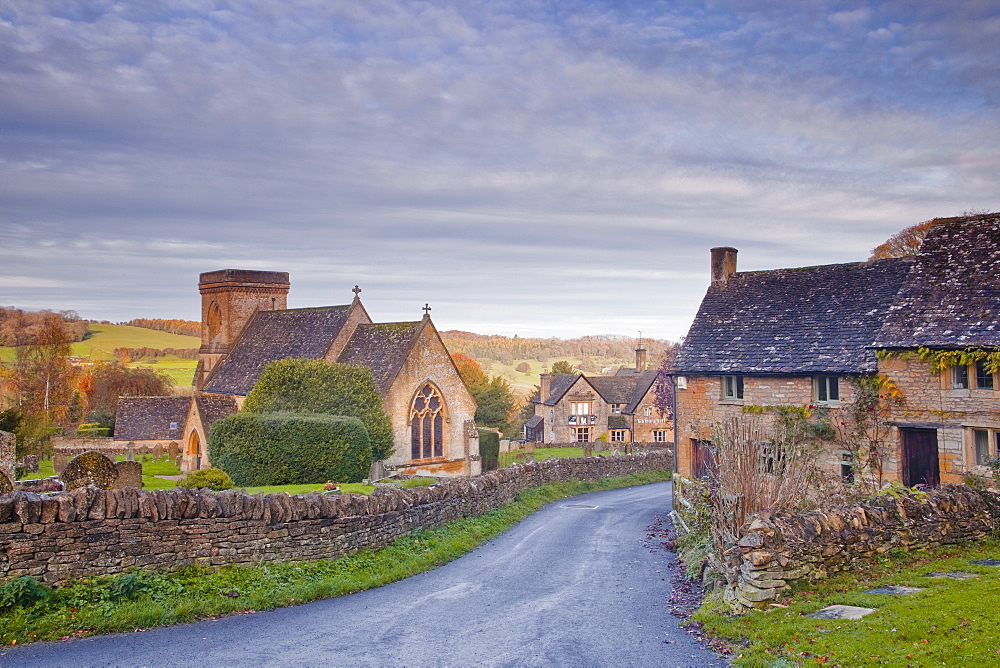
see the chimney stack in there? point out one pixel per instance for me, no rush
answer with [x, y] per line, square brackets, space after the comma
[640, 359]
[544, 386]
[723, 265]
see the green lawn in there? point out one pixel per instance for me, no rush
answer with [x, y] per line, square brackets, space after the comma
[951, 622]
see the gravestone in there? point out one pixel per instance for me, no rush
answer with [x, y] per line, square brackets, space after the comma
[7, 459]
[895, 590]
[628, 448]
[129, 475]
[130, 452]
[31, 463]
[173, 450]
[588, 449]
[841, 612]
[177, 461]
[157, 452]
[59, 461]
[529, 448]
[90, 468]
[953, 575]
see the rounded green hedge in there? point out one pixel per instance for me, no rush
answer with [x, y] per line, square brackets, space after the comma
[259, 449]
[211, 478]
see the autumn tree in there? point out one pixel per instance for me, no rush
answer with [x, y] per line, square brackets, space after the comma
[494, 397]
[523, 367]
[100, 388]
[44, 374]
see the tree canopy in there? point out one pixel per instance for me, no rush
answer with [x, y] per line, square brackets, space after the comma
[318, 386]
[494, 397]
[905, 242]
[561, 367]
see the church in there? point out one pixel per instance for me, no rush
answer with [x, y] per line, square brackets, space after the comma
[246, 324]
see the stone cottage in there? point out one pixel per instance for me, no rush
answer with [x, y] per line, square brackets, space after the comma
[804, 337]
[573, 408]
[245, 325]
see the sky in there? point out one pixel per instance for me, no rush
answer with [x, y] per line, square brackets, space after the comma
[538, 168]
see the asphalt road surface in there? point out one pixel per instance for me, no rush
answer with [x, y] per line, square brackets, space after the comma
[578, 583]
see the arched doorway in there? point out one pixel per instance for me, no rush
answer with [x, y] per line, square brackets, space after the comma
[194, 450]
[427, 415]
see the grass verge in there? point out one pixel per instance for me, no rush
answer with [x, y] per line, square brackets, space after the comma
[951, 622]
[143, 599]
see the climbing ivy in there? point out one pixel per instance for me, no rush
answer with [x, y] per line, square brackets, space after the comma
[940, 360]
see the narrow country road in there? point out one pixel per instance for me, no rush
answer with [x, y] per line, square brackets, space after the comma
[576, 584]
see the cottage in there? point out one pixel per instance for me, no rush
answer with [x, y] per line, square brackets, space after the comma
[808, 337]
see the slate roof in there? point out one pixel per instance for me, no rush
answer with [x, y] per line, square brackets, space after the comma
[614, 389]
[382, 347]
[534, 421]
[149, 418]
[642, 385]
[951, 298]
[809, 320]
[273, 335]
[559, 385]
[214, 407]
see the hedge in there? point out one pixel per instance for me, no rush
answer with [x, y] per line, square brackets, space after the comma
[489, 449]
[290, 448]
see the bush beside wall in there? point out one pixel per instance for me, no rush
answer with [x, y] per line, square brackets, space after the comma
[60, 537]
[290, 448]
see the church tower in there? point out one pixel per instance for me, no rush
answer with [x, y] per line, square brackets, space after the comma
[229, 298]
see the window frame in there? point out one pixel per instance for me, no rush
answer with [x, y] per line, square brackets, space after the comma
[980, 373]
[826, 385]
[581, 431]
[960, 377]
[661, 435]
[978, 457]
[617, 435]
[733, 387]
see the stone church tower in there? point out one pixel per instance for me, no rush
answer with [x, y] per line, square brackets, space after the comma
[229, 298]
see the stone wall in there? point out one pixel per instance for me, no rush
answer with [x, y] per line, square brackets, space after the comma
[779, 549]
[8, 456]
[60, 537]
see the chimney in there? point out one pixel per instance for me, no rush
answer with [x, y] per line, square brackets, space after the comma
[544, 386]
[723, 265]
[640, 359]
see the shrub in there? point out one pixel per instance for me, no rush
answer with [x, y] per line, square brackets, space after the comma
[317, 386]
[290, 448]
[216, 479]
[22, 591]
[489, 449]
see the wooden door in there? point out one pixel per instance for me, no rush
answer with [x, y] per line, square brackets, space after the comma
[920, 457]
[702, 460]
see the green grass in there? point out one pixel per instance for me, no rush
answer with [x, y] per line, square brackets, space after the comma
[145, 599]
[952, 622]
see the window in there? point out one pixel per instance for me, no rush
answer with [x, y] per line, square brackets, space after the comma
[732, 387]
[981, 446]
[960, 377]
[173, 425]
[616, 409]
[427, 424]
[618, 435]
[847, 467]
[984, 379]
[581, 434]
[661, 436]
[579, 407]
[827, 389]
[647, 411]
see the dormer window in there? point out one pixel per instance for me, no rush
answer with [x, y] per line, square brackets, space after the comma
[616, 409]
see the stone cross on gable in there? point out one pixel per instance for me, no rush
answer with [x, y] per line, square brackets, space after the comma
[357, 292]
[427, 310]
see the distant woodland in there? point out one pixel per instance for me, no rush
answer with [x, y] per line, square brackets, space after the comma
[21, 328]
[183, 327]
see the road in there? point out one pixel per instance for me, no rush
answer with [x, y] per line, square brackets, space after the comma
[576, 584]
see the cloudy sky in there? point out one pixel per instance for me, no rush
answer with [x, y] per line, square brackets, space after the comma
[531, 167]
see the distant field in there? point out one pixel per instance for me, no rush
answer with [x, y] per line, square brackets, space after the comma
[524, 383]
[102, 340]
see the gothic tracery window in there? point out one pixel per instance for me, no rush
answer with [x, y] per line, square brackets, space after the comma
[427, 424]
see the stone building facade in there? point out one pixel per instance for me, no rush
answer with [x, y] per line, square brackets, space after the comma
[806, 337]
[245, 325]
[573, 408]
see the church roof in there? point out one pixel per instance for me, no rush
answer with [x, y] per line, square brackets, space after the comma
[382, 347]
[951, 298]
[305, 333]
[151, 418]
[809, 320]
[214, 407]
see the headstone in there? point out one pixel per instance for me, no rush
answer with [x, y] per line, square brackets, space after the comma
[31, 463]
[173, 450]
[7, 458]
[59, 461]
[628, 448]
[841, 612]
[588, 449]
[130, 452]
[986, 562]
[177, 461]
[529, 448]
[157, 452]
[129, 475]
[953, 575]
[895, 590]
[377, 471]
[504, 446]
[90, 468]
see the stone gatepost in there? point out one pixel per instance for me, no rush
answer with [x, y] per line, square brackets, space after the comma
[7, 457]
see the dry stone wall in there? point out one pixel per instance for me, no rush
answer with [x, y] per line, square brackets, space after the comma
[87, 531]
[779, 549]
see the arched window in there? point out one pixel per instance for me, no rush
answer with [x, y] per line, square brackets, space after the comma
[214, 322]
[427, 424]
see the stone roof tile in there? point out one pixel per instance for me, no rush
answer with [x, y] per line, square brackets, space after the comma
[151, 418]
[382, 347]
